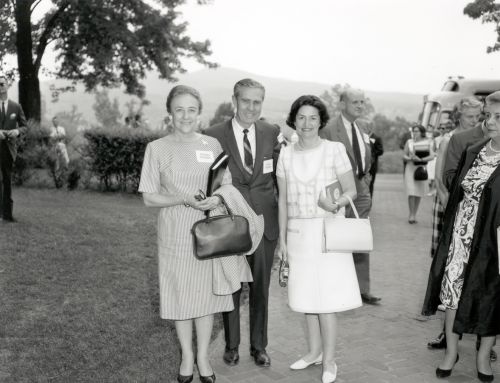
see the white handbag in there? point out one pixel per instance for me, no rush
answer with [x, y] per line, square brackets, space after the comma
[349, 235]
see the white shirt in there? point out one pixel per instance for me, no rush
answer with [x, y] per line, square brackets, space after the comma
[5, 105]
[361, 139]
[57, 132]
[238, 134]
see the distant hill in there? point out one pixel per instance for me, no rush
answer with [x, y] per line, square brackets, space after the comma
[215, 86]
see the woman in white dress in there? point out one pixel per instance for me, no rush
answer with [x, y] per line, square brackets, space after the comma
[320, 284]
[418, 151]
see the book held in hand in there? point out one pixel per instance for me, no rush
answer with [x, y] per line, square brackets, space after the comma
[333, 190]
[216, 173]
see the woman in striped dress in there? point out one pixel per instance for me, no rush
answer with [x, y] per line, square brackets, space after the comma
[175, 167]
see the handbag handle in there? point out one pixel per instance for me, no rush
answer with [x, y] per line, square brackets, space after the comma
[352, 205]
[229, 211]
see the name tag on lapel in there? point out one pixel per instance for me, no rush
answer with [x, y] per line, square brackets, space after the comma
[267, 166]
[206, 156]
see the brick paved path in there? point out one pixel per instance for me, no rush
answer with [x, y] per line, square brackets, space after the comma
[376, 343]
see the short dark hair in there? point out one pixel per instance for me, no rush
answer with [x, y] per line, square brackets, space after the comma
[421, 128]
[179, 90]
[310, 100]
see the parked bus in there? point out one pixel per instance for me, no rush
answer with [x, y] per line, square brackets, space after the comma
[438, 106]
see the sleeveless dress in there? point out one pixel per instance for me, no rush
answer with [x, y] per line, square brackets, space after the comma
[185, 282]
[463, 228]
[318, 282]
[416, 188]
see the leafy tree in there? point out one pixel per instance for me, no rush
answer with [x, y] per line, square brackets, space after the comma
[97, 42]
[489, 12]
[224, 112]
[106, 112]
[332, 98]
[390, 131]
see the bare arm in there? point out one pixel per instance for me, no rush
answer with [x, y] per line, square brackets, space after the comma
[349, 189]
[282, 217]
[166, 200]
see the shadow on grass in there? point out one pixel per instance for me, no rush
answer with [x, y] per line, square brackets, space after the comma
[79, 283]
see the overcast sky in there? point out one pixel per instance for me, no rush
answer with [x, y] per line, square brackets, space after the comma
[381, 45]
[386, 45]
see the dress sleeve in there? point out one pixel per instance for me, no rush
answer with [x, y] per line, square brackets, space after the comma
[280, 166]
[340, 159]
[150, 173]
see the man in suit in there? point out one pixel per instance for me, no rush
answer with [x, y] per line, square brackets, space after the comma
[377, 149]
[12, 124]
[346, 129]
[253, 148]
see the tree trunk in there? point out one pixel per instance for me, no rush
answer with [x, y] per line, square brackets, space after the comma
[29, 85]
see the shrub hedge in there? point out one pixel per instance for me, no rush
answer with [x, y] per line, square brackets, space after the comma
[115, 156]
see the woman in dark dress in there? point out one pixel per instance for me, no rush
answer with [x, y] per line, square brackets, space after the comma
[465, 273]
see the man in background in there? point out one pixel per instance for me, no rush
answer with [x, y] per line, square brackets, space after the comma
[12, 125]
[377, 149]
[253, 148]
[345, 129]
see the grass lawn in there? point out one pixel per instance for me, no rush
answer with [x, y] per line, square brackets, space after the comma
[79, 291]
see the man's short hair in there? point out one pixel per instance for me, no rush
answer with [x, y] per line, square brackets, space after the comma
[345, 93]
[493, 98]
[247, 83]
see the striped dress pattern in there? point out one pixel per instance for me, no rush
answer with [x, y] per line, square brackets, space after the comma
[186, 283]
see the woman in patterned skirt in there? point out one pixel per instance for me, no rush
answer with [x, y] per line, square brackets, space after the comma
[320, 284]
[175, 168]
[465, 272]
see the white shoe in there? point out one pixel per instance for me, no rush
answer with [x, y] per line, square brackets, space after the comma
[301, 363]
[329, 376]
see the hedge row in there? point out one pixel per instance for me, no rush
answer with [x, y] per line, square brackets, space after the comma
[115, 156]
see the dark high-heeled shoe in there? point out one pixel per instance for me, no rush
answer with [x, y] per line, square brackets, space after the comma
[485, 377]
[207, 379]
[441, 374]
[184, 378]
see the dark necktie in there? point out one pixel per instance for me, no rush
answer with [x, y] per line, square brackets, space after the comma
[247, 151]
[3, 111]
[357, 152]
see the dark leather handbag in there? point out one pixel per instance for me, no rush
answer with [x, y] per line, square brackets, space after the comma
[420, 174]
[221, 235]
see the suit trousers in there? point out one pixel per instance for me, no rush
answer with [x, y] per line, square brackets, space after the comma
[363, 204]
[261, 263]
[6, 164]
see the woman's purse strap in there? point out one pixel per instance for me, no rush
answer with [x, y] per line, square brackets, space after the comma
[352, 205]
[223, 201]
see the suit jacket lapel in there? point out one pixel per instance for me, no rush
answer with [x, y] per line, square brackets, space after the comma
[233, 147]
[344, 138]
[259, 141]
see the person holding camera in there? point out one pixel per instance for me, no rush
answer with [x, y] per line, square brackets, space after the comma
[417, 152]
[320, 284]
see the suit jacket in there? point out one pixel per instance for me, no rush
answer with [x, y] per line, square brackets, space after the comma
[377, 149]
[258, 189]
[478, 311]
[14, 119]
[457, 145]
[336, 131]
